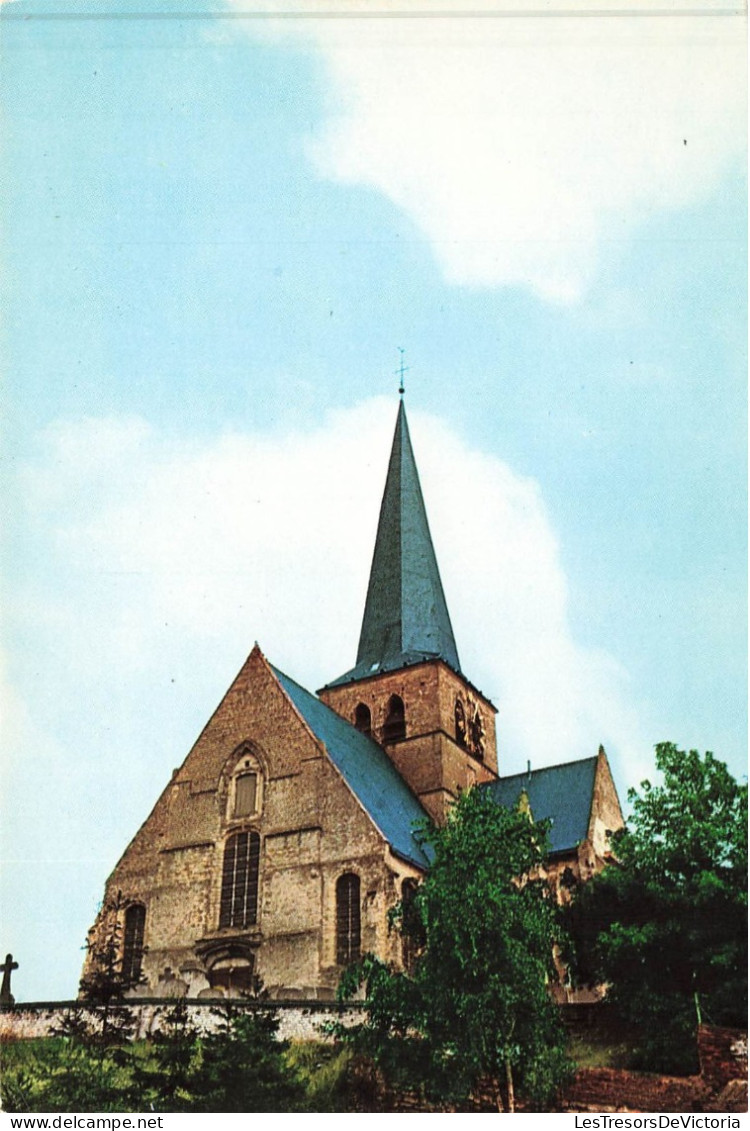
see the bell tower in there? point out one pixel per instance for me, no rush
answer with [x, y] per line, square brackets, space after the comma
[407, 689]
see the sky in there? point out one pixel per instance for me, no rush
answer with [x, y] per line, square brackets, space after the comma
[220, 229]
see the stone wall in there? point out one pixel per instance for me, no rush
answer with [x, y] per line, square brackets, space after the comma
[298, 1020]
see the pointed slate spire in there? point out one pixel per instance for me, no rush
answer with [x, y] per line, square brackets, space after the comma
[406, 618]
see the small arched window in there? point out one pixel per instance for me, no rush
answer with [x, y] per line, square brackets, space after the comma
[363, 718]
[395, 722]
[348, 928]
[132, 945]
[245, 788]
[245, 794]
[239, 881]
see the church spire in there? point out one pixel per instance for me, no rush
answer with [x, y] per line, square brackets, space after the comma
[406, 618]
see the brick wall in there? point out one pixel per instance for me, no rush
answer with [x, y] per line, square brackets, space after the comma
[430, 759]
[723, 1060]
[722, 1054]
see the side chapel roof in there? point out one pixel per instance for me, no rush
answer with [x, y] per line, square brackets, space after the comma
[406, 616]
[367, 770]
[563, 794]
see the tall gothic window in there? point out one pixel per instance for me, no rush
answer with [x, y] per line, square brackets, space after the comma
[363, 718]
[132, 948]
[239, 880]
[348, 930]
[395, 722]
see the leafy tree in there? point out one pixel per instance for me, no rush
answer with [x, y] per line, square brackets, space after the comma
[476, 1005]
[242, 1067]
[666, 926]
[161, 1077]
[60, 1075]
[324, 1069]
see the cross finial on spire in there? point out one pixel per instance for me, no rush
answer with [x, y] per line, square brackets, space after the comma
[400, 372]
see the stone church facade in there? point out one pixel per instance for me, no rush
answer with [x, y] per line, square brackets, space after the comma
[278, 847]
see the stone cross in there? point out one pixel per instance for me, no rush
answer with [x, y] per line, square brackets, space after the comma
[6, 997]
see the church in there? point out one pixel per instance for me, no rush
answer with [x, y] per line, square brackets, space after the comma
[276, 850]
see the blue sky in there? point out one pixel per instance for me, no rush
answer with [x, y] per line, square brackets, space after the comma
[219, 232]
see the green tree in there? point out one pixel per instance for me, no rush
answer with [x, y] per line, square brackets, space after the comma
[476, 1005]
[103, 1020]
[88, 1067]
[161, 1075]
[666, 926]
[242, 1067]
[60, 1074]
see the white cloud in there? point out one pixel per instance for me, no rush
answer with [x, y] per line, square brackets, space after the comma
[169, 552]
[522, 147]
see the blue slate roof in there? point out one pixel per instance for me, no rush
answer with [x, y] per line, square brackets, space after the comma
[367, 770]
[406, 617]
[562, 793]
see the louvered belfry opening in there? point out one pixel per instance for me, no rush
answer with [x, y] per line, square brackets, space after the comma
[132, 949]
[395, 723]
[239, 881]
[363, 718]
[348, 929]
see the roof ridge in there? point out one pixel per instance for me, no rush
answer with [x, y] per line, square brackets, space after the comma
[541, 769]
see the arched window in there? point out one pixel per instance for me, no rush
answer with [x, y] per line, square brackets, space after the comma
[132, 946]
[245, 787]
[348, 939]
[477, 735]
[412, 930]
[395, 723]
[460, 715]
[233, 972]
[239, 880]
[245, 794]
[363, 718]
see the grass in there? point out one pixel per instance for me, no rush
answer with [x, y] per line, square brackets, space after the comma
[598, 1050]
[324, 1070]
